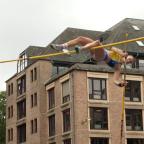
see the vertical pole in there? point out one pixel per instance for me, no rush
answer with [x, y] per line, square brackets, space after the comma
[122, 140]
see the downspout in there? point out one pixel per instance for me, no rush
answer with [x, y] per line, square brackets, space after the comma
[73, 105]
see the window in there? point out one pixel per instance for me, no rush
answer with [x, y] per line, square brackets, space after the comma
[9, 91]
[52, 125]
[34, 126]
[133, 91]
[51, 98]
[140, 43]
[35, 73]
[31, 75]
[65, 91]
[67, 141]
[137, 64]
[11, 88]
[21, 83]
[99, 118]
[34, 100]
[97, 89]
[21, 109]
[141, 63]
[58, 69]
[10, 134]
[22, 63]
[135, 27]
[135, 141]
[134, 120]
[21, 133]
[10, 112]
[95, 140]
[66, 120]
[11, 131]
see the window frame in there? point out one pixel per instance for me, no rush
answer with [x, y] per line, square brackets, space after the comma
[21, 133]
[51, 98]
[131, 91]
[138, 139]
[91, 83]
[131, 114]
[21, 109]
[22, 64]
[65, 98]
[104, 121]
[67, 141]
[66, 120]
[21, 85]
[106, 140]
[52, 125]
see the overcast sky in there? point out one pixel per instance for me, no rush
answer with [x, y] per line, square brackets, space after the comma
[38, 22]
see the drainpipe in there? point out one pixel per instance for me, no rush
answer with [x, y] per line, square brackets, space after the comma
[73, 105]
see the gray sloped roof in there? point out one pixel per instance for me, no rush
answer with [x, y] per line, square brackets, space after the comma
[34, 51]
[118, 33]
[66, 35]
[114, 34]
[69, 34]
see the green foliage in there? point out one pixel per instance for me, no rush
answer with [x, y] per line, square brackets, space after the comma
[2, 117]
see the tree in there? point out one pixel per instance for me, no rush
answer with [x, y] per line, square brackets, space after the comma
[2, 117]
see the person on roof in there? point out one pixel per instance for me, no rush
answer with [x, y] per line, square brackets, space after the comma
[114, 57]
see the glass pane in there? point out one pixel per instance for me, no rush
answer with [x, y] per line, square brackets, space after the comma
[51, 98]
[99, 141]
[66, 120]
[135, 141]
[99, 118]
[65, 88]
[134, 119]
[97, 89]
[96, 84]
[133, 91]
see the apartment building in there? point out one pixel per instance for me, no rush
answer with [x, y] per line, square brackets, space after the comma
[70, 99]
[84, 106]
[25, 100]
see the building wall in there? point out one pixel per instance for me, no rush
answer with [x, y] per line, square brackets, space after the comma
[38, 112]
[11, 101]
[80, 107]
[80, 104]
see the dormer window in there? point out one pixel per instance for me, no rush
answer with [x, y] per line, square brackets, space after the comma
[22, 63]
[136, 27]
[140, 43]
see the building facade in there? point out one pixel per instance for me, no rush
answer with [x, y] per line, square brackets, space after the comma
[86, 108]
[71, 100]
[26, 105]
